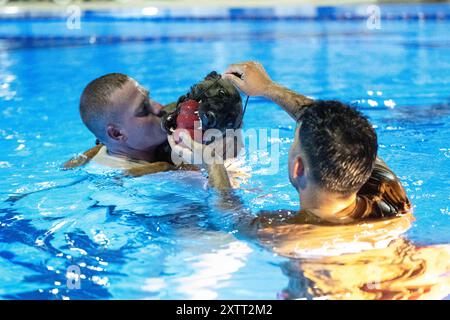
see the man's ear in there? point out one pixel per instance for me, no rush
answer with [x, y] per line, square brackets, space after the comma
[298, 168]
[114, 133]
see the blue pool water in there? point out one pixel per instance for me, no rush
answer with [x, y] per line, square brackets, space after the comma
[159, 237]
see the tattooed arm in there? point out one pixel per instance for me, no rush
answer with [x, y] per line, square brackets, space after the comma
[290, 101]
[253, 80]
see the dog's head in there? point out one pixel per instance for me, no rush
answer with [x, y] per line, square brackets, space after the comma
[220, 105]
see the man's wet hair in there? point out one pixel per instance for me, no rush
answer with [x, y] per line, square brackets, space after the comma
[340, 145]
[95, 102]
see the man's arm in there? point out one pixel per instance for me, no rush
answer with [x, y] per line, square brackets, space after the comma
[290, 101]
[253, 80]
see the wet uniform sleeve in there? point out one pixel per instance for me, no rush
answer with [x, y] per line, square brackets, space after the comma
[383, 194]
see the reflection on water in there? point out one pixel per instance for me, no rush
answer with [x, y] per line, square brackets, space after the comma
[369, 260]
[205, 271]
[124, 249]
[399, 271]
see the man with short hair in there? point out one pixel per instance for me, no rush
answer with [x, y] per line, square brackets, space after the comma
[333, 161]
[120, 113]
[127, 125]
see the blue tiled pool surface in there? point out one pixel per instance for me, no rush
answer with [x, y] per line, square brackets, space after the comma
[157, 237]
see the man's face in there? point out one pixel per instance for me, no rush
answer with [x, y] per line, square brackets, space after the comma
[138, 117]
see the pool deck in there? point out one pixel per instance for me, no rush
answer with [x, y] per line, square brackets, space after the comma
[230, 9]
[126, 4]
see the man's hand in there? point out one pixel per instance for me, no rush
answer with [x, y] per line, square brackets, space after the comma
[193, 152]
[209, 157]
[250, 77]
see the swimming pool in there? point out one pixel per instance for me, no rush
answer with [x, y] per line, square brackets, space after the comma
[158, 237]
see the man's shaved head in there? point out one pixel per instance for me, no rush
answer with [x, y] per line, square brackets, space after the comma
[120, 113]
[96, 105]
